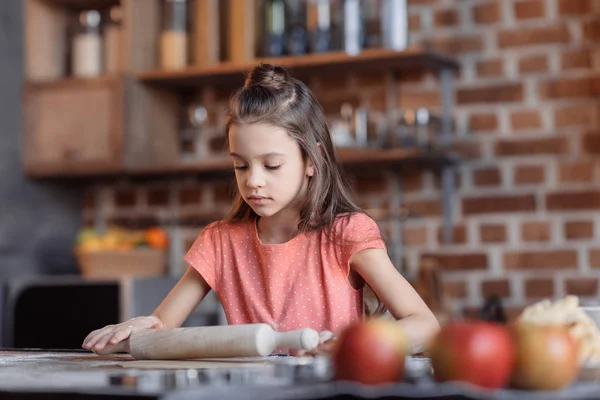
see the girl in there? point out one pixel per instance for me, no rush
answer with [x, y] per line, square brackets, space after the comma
[296, 251]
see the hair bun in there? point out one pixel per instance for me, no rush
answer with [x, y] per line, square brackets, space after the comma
[268, 76]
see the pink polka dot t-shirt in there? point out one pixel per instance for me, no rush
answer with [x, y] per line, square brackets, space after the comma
[302, 283]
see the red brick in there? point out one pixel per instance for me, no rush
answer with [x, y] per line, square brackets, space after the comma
[483, 122]
[581, 58]
[496, 287]
[425, 208]
[577, 7]
[223, 192]
[579, 230]
[332, 103]
[459, 235]
[573, 201]
[539, 288]
[445, 18]
[591, 29]
[534, 36]
[368, 79]
[487, 13]
[576, 171]
[492, 233]
[504, 93]
[126, 197]
[413, 98]
[569, 88]
[490, 68]
[516, 147]
[458, 44]
[526, 119]
[414, 236]
[414, 22]
[455, 289]
[421, 2]
[581, 286]
[535, 63]
[553, 259]
[528, 9]
[528, 174]
[591, 142]
[89, 200]
[498, 204]
[594, 256]
[369, 183]
[574, 115]
[158, 197]
[538, 231]
[487, 177]
[190, 196]
[459, 261]
[466, 149]
[412, 181]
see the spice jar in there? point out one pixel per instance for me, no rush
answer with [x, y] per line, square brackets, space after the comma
[87, 45]
[112, 41]
[174, 35]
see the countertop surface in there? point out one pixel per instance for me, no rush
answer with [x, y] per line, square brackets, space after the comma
[27, 373]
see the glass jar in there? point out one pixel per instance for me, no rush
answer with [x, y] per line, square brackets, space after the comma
[112, 41]
[174, 35]
[87, 45]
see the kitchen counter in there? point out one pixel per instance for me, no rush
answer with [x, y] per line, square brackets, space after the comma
[37, 374]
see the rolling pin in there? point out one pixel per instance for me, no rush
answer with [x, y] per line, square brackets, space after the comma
[246, 340]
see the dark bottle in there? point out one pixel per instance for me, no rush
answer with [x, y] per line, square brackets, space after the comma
[274, 23]
[347, 29]
[296, 35]
[319, 25]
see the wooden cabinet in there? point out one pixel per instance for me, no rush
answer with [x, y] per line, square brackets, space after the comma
[73, 127]
[129, 122]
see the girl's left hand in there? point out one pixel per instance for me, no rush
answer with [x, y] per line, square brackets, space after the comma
[325, 347]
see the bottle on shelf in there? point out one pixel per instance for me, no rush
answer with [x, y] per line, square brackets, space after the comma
[371, 14]
[394, 24]
[87, 45]
[112, 41]
[296, 32]
[318, 22]
[274, 23]
[352, 31]
[174, 35]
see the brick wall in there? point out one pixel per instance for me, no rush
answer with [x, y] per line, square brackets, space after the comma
[527, 124]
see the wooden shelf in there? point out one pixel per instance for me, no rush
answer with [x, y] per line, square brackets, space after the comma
[370, 60]
[347, 156]
[78, 5]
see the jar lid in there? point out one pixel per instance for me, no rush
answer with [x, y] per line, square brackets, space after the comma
[90, 18]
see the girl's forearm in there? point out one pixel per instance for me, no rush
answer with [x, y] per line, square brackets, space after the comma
[420, 330]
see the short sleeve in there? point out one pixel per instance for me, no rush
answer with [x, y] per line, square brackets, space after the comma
[204, 255]
[357, 232]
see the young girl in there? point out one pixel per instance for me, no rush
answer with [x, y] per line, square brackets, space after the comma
[296, 251]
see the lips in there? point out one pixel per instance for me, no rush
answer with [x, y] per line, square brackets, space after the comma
[258, 200]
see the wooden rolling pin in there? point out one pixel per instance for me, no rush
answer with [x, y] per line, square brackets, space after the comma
[247, 340]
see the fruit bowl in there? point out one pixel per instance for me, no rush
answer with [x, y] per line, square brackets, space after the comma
[109, 264]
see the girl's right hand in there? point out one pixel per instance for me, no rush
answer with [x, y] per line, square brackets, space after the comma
[97, 340]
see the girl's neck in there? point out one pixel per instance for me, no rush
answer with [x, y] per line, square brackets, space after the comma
[278, 228]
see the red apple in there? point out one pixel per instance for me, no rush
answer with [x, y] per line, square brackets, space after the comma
[546, 357]
[370, 352]
[480, 353]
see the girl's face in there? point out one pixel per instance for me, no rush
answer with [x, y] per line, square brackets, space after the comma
[269, 168]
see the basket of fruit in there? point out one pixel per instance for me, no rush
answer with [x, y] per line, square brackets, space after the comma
[120, 252]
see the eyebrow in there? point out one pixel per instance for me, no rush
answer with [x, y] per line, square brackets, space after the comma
[262, 155]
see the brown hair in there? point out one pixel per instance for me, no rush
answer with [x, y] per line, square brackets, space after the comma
[271, 96]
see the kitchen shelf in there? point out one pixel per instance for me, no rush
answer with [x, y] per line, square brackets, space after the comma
[78, 5]
[347, 156]
[369, 60]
